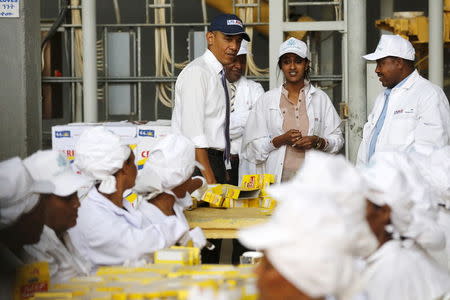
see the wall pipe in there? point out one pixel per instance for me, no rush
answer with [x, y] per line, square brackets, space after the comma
[88, 11]
[357, 97]
[436, 43]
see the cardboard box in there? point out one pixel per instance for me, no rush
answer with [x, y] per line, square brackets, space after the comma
[65, 137]
[147, 136]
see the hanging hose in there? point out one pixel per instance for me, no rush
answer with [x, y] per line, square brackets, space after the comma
[162, 55]
[59, 20]
[247, 14]
[117, 11]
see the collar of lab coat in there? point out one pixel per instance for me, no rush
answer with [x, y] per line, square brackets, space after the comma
[212, 62]
[410, 81]
[309, 92]
[128, 211]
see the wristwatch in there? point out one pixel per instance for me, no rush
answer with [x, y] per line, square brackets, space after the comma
[318, 143]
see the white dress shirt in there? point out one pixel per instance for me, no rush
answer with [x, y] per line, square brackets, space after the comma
[106, 234]
[199, 110]
[417, 116]
[63, 259]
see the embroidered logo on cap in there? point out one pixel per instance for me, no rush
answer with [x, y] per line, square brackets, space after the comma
[234, 22]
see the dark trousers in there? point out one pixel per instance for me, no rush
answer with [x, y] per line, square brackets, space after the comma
[222, 176]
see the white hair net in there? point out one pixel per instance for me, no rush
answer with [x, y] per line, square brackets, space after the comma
[392, 179]
[16, 191]
[435, 168]
[338, 177]
[99, 154]
[171, 162]
[319, 230]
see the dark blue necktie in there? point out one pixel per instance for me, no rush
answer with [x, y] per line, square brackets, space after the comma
[226, 152]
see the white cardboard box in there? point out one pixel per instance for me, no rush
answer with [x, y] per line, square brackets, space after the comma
[147, 135]
[64, 137]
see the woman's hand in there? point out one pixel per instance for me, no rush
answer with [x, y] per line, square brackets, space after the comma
[310, 142]
[289, 138]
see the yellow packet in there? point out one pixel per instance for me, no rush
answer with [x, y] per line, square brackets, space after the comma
[30, 279]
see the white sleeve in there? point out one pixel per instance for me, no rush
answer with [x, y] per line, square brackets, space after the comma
[112, 242]
[433, 121]
[190, 97]
[257, 142]
[332, 131]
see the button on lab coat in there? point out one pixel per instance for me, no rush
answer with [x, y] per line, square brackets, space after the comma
[266, 122]
[108, 235]
[417, 116]
[64, 261]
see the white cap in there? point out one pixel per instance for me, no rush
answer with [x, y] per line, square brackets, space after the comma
[16, 191]
[293, 45]
[53, 174]
[392, 45]
[319, 228]
[244, 48]
[393, 180]
[171, 162]
[99, 154]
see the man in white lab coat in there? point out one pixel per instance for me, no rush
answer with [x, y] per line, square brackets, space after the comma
[109, 230]
[53, 170]
[411, 112]
[243, 95]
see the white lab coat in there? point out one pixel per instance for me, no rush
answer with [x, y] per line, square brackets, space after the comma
[418, 115]
[108, 235]
[401, 270]
[266, 122]
[247, 93]
[63, 259]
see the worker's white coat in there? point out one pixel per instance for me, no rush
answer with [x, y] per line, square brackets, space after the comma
[401, 270]
[266, 122]
[64, 261]
[418, 115]
[108, 235]
[247, 93]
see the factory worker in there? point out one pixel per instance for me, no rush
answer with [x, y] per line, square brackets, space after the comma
[166, 179]
[292, 119]
[52, 170]
[243, 95]
[21, 219]
[410, 112]
[109, 230]
[202, 101]
[401, 268]
[435, 169]
[310, 251]
[21, 211]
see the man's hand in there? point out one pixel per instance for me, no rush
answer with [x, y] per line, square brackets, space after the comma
[201, 155]
[289, 138]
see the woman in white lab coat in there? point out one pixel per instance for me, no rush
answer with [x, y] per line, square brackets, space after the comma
[110, 231]
[61, 207]
[289, 120]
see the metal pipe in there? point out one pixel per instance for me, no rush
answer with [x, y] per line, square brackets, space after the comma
[315, 3]
[89, 61]
[436, 44]
[356, 26]
[276, 38]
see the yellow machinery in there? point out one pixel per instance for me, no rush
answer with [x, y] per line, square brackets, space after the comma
[414, 27]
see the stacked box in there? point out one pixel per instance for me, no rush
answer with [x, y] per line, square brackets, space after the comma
[65, 137]
[147, 136]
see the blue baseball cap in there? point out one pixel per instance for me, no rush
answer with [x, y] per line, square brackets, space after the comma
[230, 25]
